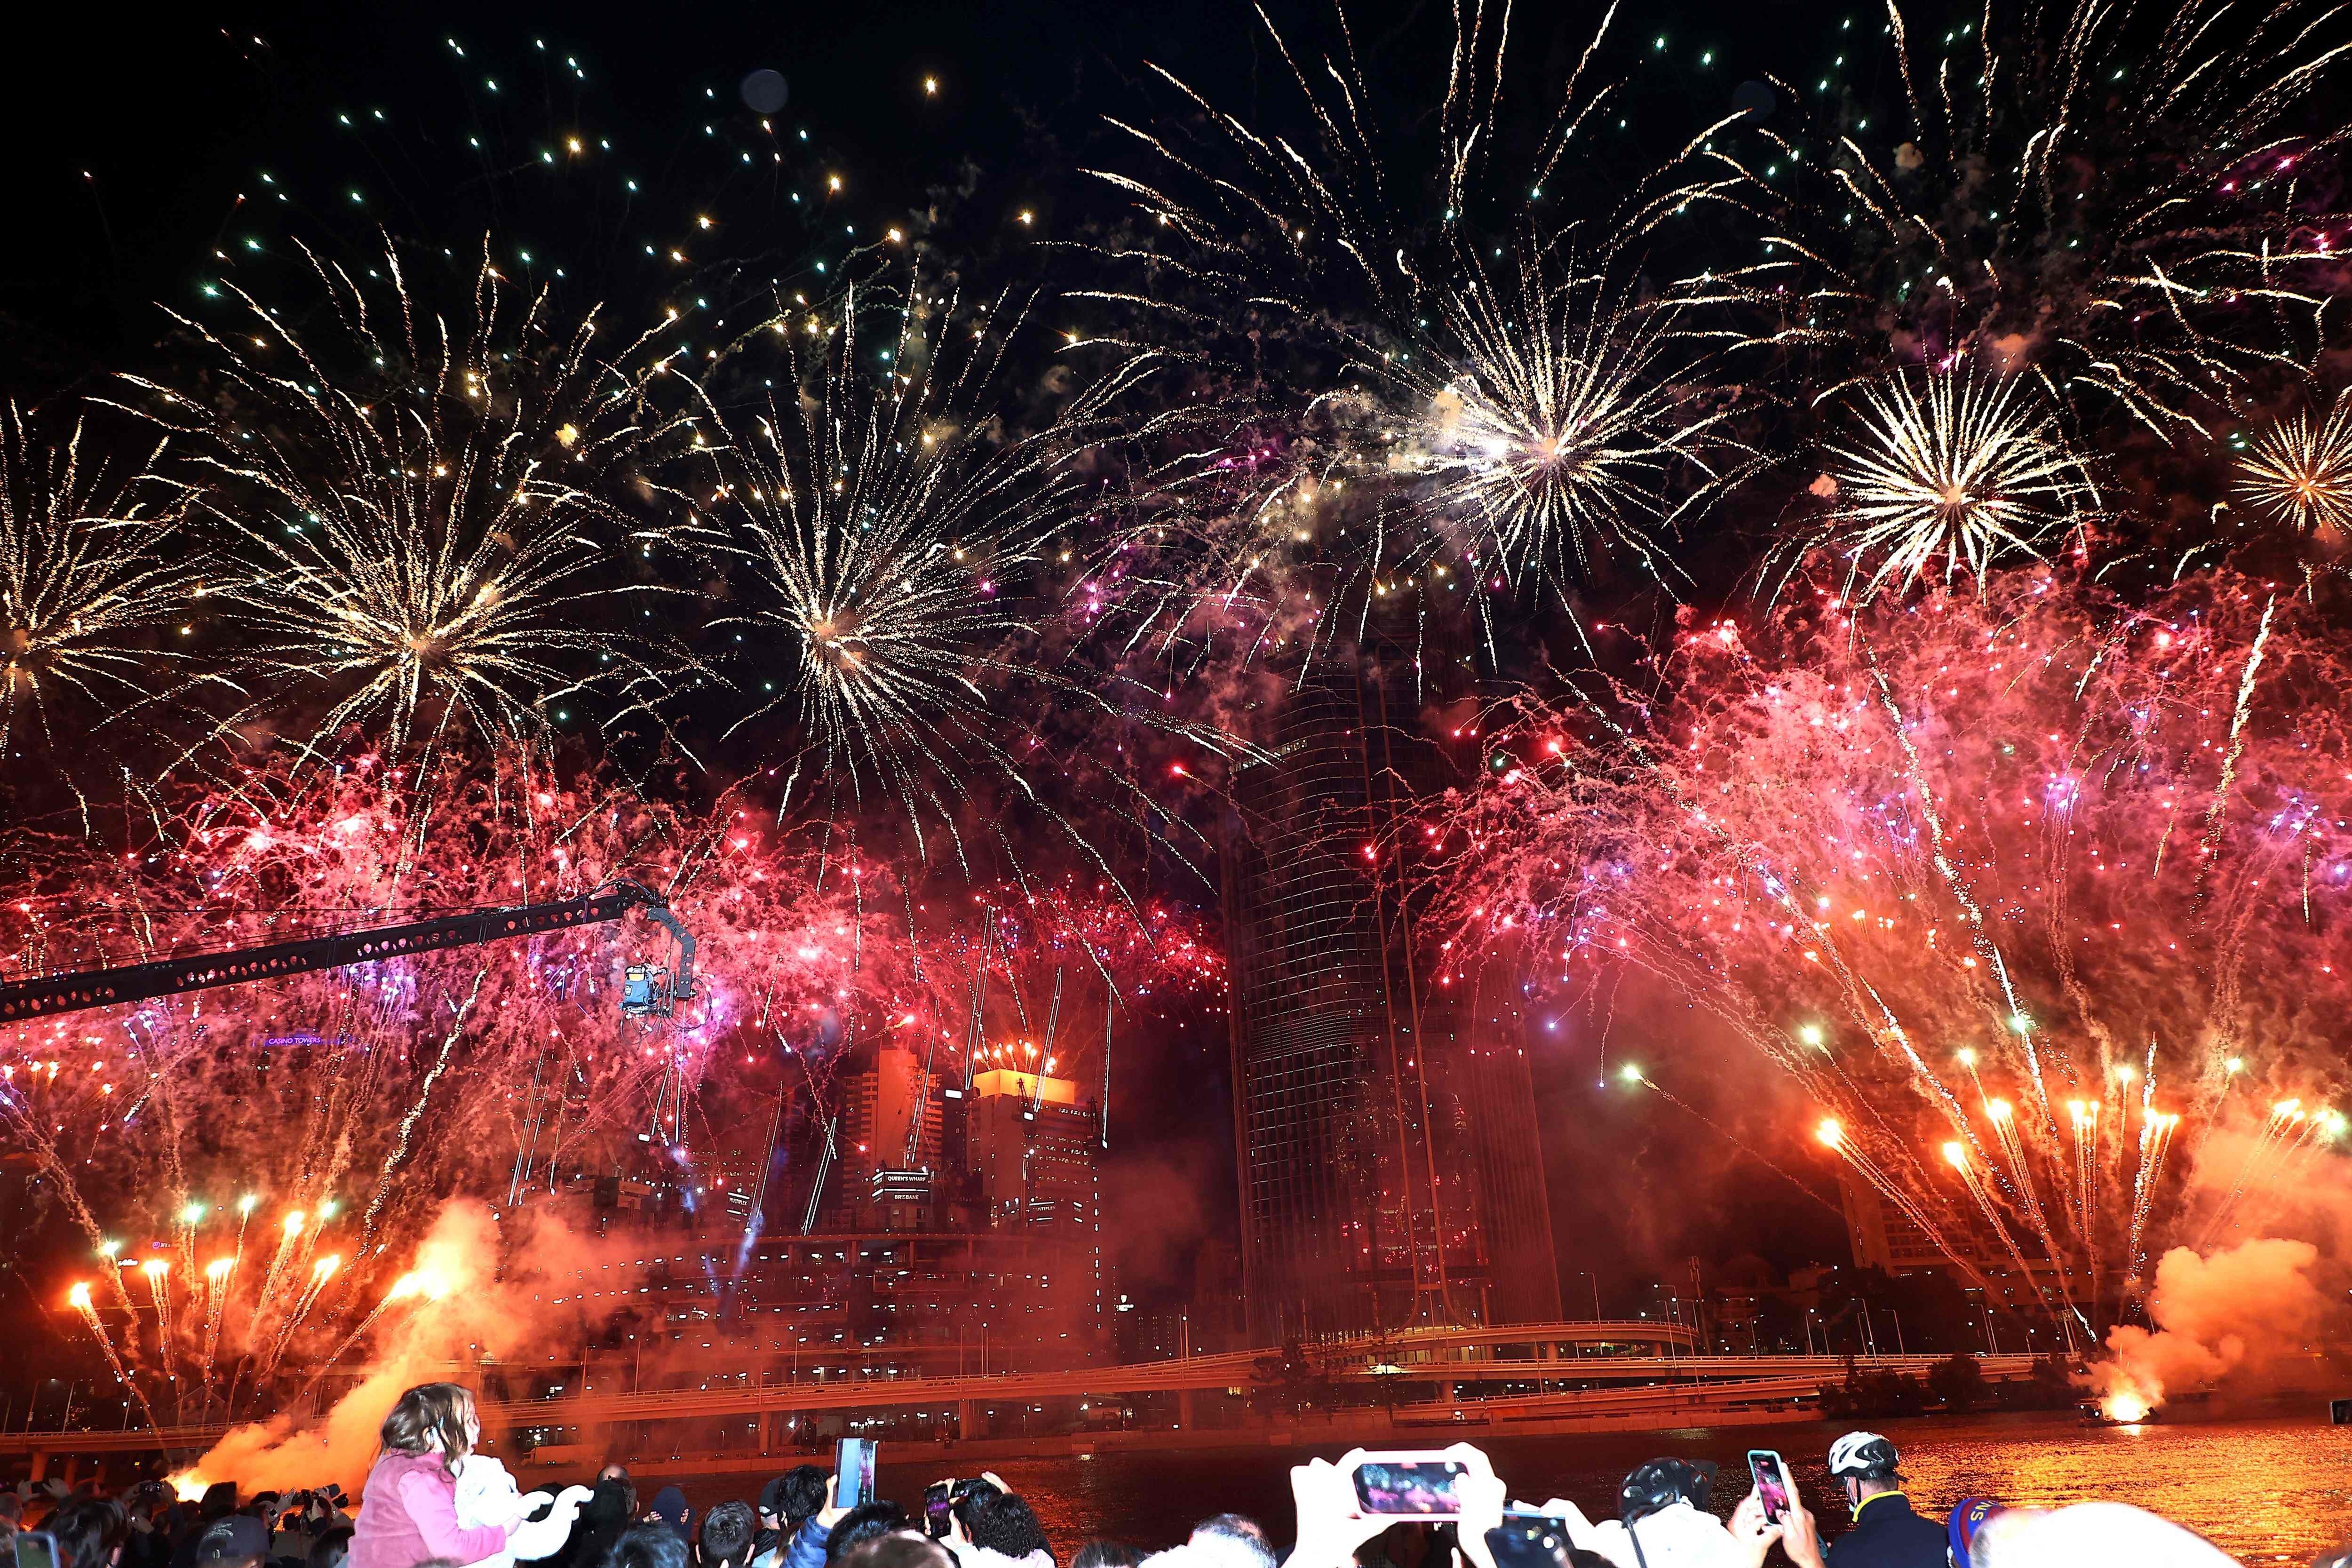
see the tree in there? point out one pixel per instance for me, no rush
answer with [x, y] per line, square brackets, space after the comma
[1959, 1380]
[1291, 1381]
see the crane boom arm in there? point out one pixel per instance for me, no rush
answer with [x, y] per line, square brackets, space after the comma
[52, 993]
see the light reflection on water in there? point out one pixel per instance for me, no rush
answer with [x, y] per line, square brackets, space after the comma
[2269, 1489]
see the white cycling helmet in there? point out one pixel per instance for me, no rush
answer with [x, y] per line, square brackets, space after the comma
[1864, 1456]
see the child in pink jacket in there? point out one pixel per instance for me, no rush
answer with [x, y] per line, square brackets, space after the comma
[409, 1513]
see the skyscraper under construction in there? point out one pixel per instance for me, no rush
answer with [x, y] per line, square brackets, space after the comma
[1384, 1115]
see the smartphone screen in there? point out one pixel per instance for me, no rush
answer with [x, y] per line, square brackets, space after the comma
[938, 1509]
[36, 1549]
[1528, 1540]
[1764, 1468]
[853, 1467]
[1427, 1489]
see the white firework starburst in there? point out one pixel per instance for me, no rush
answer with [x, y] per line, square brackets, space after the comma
[2298, 472]
[1955, 467]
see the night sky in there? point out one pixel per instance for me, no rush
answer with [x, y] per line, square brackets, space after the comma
[137, 144]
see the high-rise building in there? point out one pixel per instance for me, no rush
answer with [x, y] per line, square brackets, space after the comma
[1034, 1144]
[1885, 1237]
[885, 1181]
[1484, 1028]
[1384, 1122]
[982, 1250]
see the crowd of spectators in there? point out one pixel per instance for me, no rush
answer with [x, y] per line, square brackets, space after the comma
[1661, 1518]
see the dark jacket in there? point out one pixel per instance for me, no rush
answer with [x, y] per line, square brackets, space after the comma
[604, 1519]
[1887, 1535]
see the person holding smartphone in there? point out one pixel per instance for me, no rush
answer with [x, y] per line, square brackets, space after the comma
[1886, 1533]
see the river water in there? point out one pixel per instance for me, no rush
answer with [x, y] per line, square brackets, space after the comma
[2273, 1490]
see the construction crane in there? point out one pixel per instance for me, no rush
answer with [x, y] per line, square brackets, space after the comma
[646, 990]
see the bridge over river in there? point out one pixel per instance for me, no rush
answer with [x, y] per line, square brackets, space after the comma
[1494, 1376]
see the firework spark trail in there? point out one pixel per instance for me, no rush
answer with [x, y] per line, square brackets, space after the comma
[2106, 247]
[2021, 1176]
[1504, 419]
[407, 1287]
[1869, 810]
[2235, 749]
[158, 1289]
[1832, 1136]
[2155, 1142]
[320, 1272]
[1956, 1155]
[895, 541]
[887, 540]
[2083, 1120]
[1721, 1131]
[1980, 932]
[283, 847]
[220, 1275]
[2284, 1116]
[1555, 425]
[79, 1296]
[2083, 1116]
[290, 1238]
[183, 1238]
[399, 1148]
[2004, 1126]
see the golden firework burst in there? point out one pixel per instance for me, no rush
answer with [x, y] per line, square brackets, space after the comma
[1953, 467]
[2298, 472]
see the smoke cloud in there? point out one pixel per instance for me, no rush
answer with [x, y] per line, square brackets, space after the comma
[2232, 1314]
[482, 1287]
